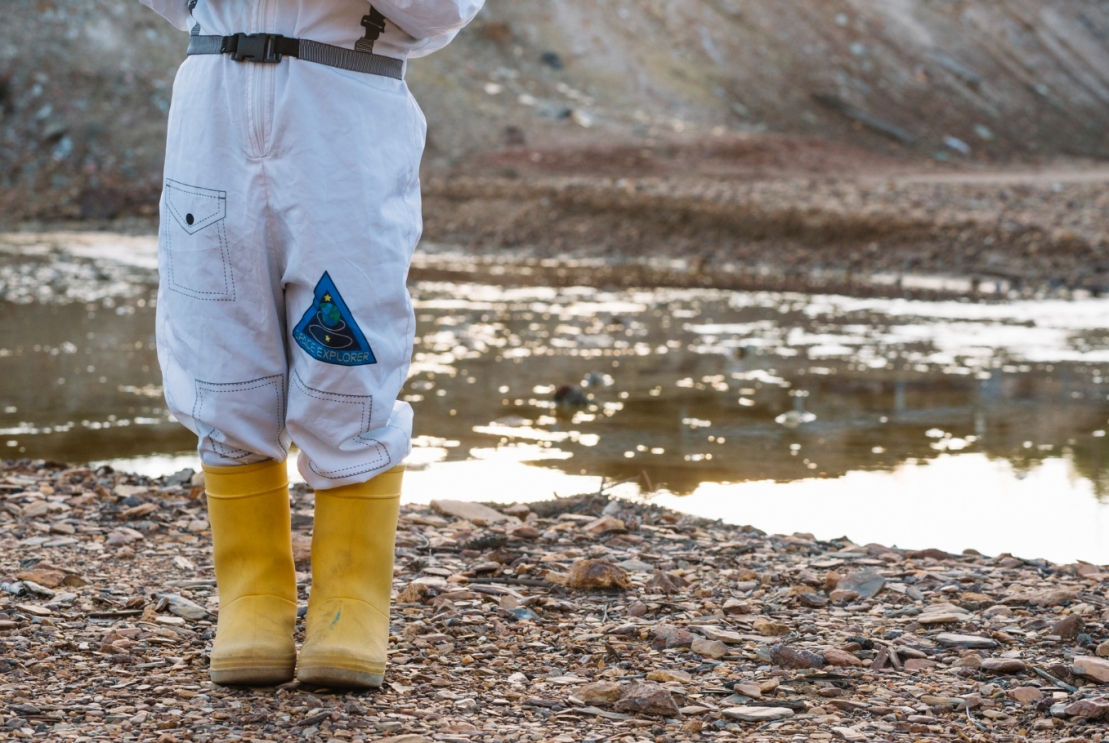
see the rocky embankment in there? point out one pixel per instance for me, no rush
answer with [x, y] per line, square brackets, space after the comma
[1019, 232]
[575, 620]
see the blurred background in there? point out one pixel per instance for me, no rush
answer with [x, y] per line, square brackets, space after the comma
[824, 266]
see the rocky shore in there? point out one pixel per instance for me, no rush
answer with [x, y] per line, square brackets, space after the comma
[576, 620]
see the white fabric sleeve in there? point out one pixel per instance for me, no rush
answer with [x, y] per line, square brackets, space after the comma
[427, 19]
[174, 11]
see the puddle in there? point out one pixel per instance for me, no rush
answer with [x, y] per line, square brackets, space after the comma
[948, 424]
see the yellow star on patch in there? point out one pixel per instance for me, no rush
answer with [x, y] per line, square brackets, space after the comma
[327, 338]
[327, 297]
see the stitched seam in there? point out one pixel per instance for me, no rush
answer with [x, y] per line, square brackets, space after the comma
[172, 185]
[239, 387]
[367, 415]
[347, 472]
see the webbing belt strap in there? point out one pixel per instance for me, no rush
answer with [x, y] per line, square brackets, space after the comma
[270, 48]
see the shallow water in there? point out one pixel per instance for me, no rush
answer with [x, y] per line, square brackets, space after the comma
[947, 424]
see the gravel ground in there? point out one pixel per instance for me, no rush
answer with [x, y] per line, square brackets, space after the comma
[582, 619]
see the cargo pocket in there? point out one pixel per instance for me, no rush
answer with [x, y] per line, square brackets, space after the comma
[242, 419]
[197, 258]
[334, 430]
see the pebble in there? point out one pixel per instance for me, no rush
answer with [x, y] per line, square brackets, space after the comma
[709, 648]
[758, 714]
[1093, 668]
[647, 698]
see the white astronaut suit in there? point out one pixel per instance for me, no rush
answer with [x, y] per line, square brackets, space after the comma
[290, 212]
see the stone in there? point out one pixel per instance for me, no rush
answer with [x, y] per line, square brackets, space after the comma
[836, 657]
[866, 583]
[919, 664]
[1026, 695]
[1103, 650]
[48, 578]
[1002, 665]
[972, 642]
[748, 689]
[1089, 709]
[850, 735]
[725, 636]
[1089, 667]
[1069, 627]
[605, 525]
[667, 636]
[942, 618]
[601, 692]
[665, 583]
[1048, 597]
[637, 609]
[35, 509]
[143, 509]
[38, 611]
[598, 575]
[475, 513]
[770, 628]
[647, 698]
[709, 648]
[735, 606]
[664, 676]
[636, 566]
[970, 660]
[841, 596]
[182, 607]
[403, 739]
[814, 600]
[792, 658]
[758, 714]
[416, 593]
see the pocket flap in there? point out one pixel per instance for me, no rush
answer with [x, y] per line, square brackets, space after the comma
[195, 208]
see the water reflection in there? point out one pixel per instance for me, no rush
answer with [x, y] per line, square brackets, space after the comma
[734, 400]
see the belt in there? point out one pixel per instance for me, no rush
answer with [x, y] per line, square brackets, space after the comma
[270, 48]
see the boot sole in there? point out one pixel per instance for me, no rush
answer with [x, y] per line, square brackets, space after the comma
[251, 676]
[343, 677]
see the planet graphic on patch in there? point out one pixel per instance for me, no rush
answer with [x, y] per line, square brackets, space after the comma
[330, 315]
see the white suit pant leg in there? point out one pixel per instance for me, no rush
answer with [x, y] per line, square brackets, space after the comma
[220, 323]
[346, 165]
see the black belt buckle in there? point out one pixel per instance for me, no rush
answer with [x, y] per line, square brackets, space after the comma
[256, 48]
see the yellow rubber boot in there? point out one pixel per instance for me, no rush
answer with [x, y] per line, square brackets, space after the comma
[347, 632]
[248, 508]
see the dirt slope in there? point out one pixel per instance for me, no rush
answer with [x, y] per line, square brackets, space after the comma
[84, 84]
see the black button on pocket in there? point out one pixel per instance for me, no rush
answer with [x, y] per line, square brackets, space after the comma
[189, 219]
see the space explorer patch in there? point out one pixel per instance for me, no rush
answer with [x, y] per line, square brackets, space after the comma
[328, 332]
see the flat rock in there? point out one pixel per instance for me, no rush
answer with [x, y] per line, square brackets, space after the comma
[664, 676]
[941, 617]
[758, 714]
[667, 636]
[725, 636]
[1090, 667]
[1089, 709]
[605, 525]
[975, 642]
[1069, 627]
[1003, 665]
[182, 607]
[598, 575]
[475, 513]
[919, 664]
[770, 628]
[647, 698]
[866, 583]
[787, 657]
[1026, 695]
[709, 648]
[836, 657]
[601, 692]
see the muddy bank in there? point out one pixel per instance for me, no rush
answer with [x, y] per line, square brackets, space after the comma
[1026, 233]
[577, 620]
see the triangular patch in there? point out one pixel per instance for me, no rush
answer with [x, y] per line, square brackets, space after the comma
[328, 332]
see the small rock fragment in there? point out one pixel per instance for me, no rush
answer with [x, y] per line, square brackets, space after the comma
[866, 583]
[601, 692]
[647, 698]
[1094, 668]
[667, 675]
[758, 714]
[475, 513]
[973, 642]
[1069, 627]
[787, 657]
[770, 628]
[1002, 665]
[598, 575]
[667, 636]
[1089, 709]
[836, 657]
[709, 648]
[1027, 695]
